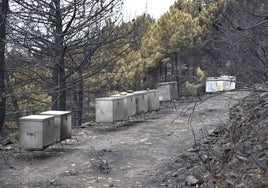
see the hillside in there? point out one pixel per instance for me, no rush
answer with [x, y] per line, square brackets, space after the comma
[154, 150]
[232, 155]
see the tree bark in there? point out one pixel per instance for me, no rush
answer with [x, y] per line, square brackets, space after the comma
[10, 90]
[3, 17]
[80, 100]
[59, 67]
[54, 93]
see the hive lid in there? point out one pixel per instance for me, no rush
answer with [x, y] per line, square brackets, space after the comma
[141, 92]
[55, 112]
[115, 95]
[109, 98]
[212, 78]
[166, 83]
[123, 93]
[131, 94]
[152, 90]
[36, 117]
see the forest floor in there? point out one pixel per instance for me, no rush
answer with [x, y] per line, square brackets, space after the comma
[155, 150]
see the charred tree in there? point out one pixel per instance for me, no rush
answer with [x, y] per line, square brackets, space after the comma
[3, 18]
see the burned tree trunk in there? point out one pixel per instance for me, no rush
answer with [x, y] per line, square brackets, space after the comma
[3, 17]
[59, 77]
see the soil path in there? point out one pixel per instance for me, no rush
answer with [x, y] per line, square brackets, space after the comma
[129, 156]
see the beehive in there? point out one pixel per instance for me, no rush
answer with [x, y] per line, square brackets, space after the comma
[153, 100]
[130, 104]
[226, 82]
[36, 132]
[167, 91]
[233, 82]
[110, 109]
[214, 84]
[141, 101]
[63, 124]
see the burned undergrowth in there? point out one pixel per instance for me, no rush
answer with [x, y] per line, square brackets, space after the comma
[160, 152]
[230, 155]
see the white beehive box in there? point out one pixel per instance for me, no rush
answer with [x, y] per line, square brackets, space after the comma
[110, 109]
[141, 101]
[63, 124]
[211, 84]
[130, 104]
[36, 132]
[153, 100]
[233, 81]
[226, 82]
[167, 91]
[214, 84]
[220, 84]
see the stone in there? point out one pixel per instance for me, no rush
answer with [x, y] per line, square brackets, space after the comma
[206, 158]
[175, 174]
[213, 132]
[241, 185]
[206, 141]
[193, 150]
[191, 181]
[231, 174]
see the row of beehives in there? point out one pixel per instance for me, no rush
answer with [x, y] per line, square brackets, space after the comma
[222, 83]
[122, 106]
[40, 131]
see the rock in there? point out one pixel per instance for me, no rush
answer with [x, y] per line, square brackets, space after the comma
[241, 185]
[70, 173]
[169, 181]
[206, 158]
[191, 181]
[181, 170]
[175, 174]
[228, 183]
[258, 147]
[164, 184]
[265, 94]
[213, 132]
[206, 141]
[86, 124]
[241, 158]
[193, 150]
[227, 147]
[169, 173]
[231, 174]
